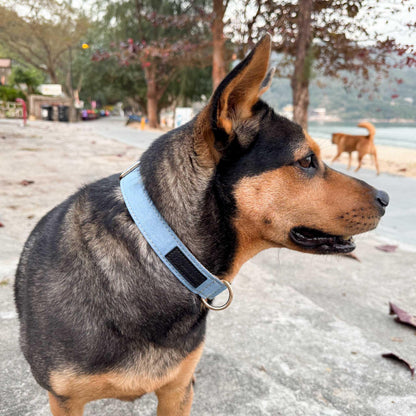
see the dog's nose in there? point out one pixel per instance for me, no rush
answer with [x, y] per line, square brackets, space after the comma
[383, 199]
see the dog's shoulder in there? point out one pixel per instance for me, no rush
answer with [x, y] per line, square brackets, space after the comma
[96, 199]
[98, 202]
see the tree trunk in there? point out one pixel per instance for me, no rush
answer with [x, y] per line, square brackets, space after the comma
[152, 111]
[52, 75]
[301, 74]
[151, 100]
[218, 41]
[301, 103]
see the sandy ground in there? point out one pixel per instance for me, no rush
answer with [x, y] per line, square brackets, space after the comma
[57, 158]
[307, 331]
[394, 160]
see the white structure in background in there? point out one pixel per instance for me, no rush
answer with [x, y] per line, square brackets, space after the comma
[167, 119]
[55, 90]
[182, 115]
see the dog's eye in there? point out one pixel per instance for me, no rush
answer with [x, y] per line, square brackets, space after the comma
[307, 162]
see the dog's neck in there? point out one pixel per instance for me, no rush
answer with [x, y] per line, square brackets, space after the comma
[185, 193]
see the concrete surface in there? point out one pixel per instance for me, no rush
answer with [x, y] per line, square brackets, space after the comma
[304, 335]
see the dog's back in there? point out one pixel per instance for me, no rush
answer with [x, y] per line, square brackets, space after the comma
[347, 142]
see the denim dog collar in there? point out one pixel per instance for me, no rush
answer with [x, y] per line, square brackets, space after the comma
[166, 244]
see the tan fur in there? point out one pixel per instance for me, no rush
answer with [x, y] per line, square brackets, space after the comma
[310, 144]
[208, 155]
[271, 204]
[244, 90]
[268, 206]
[235, 105]
[362, 144]
[174, 388]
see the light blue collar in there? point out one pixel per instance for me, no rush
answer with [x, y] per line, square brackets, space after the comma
[166, 244]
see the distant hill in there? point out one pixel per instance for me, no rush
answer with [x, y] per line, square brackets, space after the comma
[395, 97]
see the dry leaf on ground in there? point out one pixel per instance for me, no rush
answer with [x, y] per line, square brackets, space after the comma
[402, 316]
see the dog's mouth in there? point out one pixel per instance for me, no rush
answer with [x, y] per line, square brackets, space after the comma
[319, 242]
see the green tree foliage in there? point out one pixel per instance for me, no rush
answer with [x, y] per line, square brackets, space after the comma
[29, 76]
[108, 83]
[8, 93]
[163, 38]
[40, 33]
[190, 84]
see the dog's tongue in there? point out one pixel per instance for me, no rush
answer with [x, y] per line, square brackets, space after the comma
[314, 238]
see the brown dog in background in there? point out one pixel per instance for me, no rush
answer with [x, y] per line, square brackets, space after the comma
[362, 144]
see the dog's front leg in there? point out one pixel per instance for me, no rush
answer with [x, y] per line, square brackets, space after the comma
[65, 407]
[349, 160]
[360, 162]
[175, 397]
[374, 155]
[174, 400]
[336, 156]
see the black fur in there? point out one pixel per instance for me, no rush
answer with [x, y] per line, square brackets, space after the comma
[91, 294]
[68, 306]
[69, 312]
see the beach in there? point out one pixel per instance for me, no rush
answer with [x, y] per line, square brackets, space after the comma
[394, 160]
[304, 334]
[45, 162]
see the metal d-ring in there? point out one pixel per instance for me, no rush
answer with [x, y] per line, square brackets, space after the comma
[226, 304]
[130, 169]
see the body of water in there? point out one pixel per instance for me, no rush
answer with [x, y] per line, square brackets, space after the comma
[397, 135]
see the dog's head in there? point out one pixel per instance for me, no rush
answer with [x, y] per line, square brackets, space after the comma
[335, 138]
[269, 176]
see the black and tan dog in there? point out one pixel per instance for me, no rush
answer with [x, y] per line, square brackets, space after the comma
[362, 144]
[100, 314]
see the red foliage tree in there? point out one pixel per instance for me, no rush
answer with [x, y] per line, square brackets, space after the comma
[331, 37]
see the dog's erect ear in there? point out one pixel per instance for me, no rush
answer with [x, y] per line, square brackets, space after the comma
[228, 113]
[265, 85]
[240, 90]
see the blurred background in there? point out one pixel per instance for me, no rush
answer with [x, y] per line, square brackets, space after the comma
[337, 61]
[86, 86]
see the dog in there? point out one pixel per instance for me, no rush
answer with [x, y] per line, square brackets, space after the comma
[101, 316]
[362, 144]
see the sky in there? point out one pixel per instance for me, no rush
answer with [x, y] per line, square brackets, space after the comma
[389, 25]
[392, 25]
